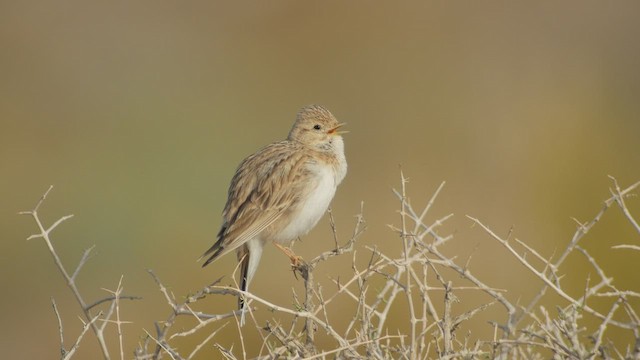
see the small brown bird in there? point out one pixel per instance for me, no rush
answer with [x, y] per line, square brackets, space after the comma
[279, 193]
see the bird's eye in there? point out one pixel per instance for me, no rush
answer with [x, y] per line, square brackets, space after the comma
[317, 127]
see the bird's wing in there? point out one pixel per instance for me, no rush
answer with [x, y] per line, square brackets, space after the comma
[265, 185]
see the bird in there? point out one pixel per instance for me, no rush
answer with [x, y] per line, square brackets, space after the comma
[280, 192]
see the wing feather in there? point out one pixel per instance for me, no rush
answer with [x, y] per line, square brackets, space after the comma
[261, 191]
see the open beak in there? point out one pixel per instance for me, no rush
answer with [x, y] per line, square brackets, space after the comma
[334, 131]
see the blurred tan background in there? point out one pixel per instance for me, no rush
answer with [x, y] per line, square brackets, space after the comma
[139, 112]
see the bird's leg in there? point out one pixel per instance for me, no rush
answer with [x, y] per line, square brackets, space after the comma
[295, 259]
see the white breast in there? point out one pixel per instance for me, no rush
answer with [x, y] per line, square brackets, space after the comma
[310, 210]
[341, 171]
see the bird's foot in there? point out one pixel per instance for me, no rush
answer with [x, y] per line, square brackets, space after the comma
[297, 263]
[296, 260]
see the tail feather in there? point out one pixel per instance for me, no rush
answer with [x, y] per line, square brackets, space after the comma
[249, 256]
[243, 258]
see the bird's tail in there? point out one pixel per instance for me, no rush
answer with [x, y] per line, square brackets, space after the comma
[243, 258]
[249, 258]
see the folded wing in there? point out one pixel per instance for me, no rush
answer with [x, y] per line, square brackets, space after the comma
[261, 192]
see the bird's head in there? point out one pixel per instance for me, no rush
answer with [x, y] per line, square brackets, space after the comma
[315, 126]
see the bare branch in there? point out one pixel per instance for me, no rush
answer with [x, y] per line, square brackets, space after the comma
[118, 322]
[112, 298]
[83, 260]
[85, 328]
[63, 352]
[619, 198]
[412, 282]
[44, 234]
[544, 279]
[631, 247]
[199, 346]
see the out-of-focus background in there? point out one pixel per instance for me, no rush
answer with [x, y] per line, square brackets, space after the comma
[139, 112]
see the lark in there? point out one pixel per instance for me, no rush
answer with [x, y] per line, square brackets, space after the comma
[280, 193]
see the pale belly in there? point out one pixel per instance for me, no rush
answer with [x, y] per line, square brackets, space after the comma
[308, 213]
